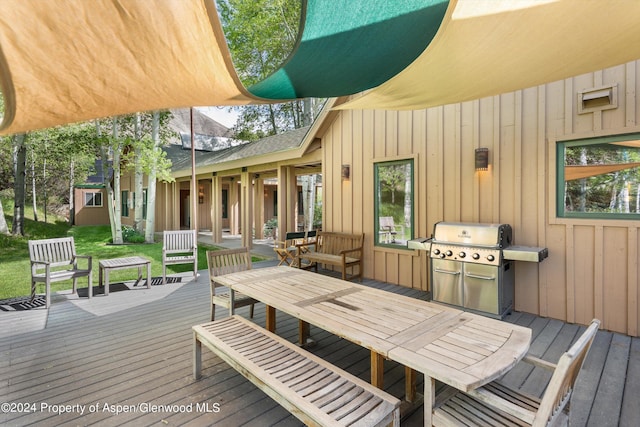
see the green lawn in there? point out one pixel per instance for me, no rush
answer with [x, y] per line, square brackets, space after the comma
[15, 275]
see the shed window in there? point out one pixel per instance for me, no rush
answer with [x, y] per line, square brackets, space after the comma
[599, 178]
[93, 199]
[393, 203]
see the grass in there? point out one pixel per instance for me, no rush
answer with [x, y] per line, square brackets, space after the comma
[90, 240]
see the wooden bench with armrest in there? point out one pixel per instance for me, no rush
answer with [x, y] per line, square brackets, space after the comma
[312, 389]
[339, 249]
[54, 260]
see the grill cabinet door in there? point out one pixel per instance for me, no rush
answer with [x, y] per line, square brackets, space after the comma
[481, 288]
[446, 280]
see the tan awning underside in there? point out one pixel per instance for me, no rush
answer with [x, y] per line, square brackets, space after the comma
[71, 61]
[586, 171]
[489, 47]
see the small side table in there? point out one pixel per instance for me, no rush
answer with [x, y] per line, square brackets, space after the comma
[107, 265]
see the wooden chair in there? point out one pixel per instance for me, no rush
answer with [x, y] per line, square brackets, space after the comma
[179, 247]
[388, 229]
[287, 250]
[224, 262]
[497, 404]
[54, 260]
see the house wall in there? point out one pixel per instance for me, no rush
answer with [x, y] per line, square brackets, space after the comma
[592, 268]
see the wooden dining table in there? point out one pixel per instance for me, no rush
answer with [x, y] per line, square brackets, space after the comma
[461, 349]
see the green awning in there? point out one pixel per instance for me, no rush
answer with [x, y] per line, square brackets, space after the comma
[349, 46]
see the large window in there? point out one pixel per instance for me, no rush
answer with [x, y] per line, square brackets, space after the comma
[93, 199]
[599, 178]
[393, 207]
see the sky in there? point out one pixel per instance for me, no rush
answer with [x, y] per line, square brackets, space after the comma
[220, 115]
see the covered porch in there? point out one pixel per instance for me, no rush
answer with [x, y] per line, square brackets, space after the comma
[126, 359]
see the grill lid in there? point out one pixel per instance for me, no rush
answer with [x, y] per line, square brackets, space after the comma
[473, 234]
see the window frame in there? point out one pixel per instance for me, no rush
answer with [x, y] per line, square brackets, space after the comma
[376, 203]
[560, 184]
[93, 194]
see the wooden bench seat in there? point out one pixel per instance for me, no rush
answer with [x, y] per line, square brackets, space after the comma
[312, 389]
[339, 249]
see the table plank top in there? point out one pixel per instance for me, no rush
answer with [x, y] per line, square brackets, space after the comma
[459, 348]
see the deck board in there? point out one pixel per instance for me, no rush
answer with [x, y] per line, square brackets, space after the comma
[134, 347]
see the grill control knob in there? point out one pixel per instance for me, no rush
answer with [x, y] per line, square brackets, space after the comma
[436, 251]
[462, 255]
[449, 253]
[475, 256]
[490, 257]
[442, 255]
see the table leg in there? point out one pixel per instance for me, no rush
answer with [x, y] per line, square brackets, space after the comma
[271, 319]
[106, 281]
[148, 275]
[429, 398]
[377, 370]
[197, 356]
[410, 384]
[304, 334]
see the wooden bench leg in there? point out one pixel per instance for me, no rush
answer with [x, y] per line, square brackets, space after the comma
[197, 356]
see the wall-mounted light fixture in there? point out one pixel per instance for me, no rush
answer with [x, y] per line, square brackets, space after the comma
[346, 172]
[482, 159]
[201, 194]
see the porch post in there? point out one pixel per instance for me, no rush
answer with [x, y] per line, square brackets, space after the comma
[216, 209]
[234, 209]
[258, 207]
[246, 214]
[287, 192]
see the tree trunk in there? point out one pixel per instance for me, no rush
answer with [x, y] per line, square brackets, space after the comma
[4, 228]
[33, 186]
[20, 184]
[116, 209]
[151, 191]
[45, 196]
[407, 199]
[138, 221]
[72, 198]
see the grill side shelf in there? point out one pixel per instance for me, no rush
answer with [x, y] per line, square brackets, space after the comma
[525, 253]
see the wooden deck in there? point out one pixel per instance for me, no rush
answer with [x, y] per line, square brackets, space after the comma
[130, 353]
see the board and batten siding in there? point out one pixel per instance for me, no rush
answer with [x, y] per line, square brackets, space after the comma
[592, 268]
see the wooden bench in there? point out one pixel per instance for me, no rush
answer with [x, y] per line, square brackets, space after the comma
[55, 260]
[312, 389]
[179, 247]
[339, 249]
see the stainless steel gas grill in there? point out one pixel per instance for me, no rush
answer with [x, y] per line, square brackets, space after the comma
[472, 265]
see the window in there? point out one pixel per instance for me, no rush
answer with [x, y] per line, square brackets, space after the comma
[144, 204]
[225, 201]
[93, 199]
[125, 203]
[393, 207]
[599, 178]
